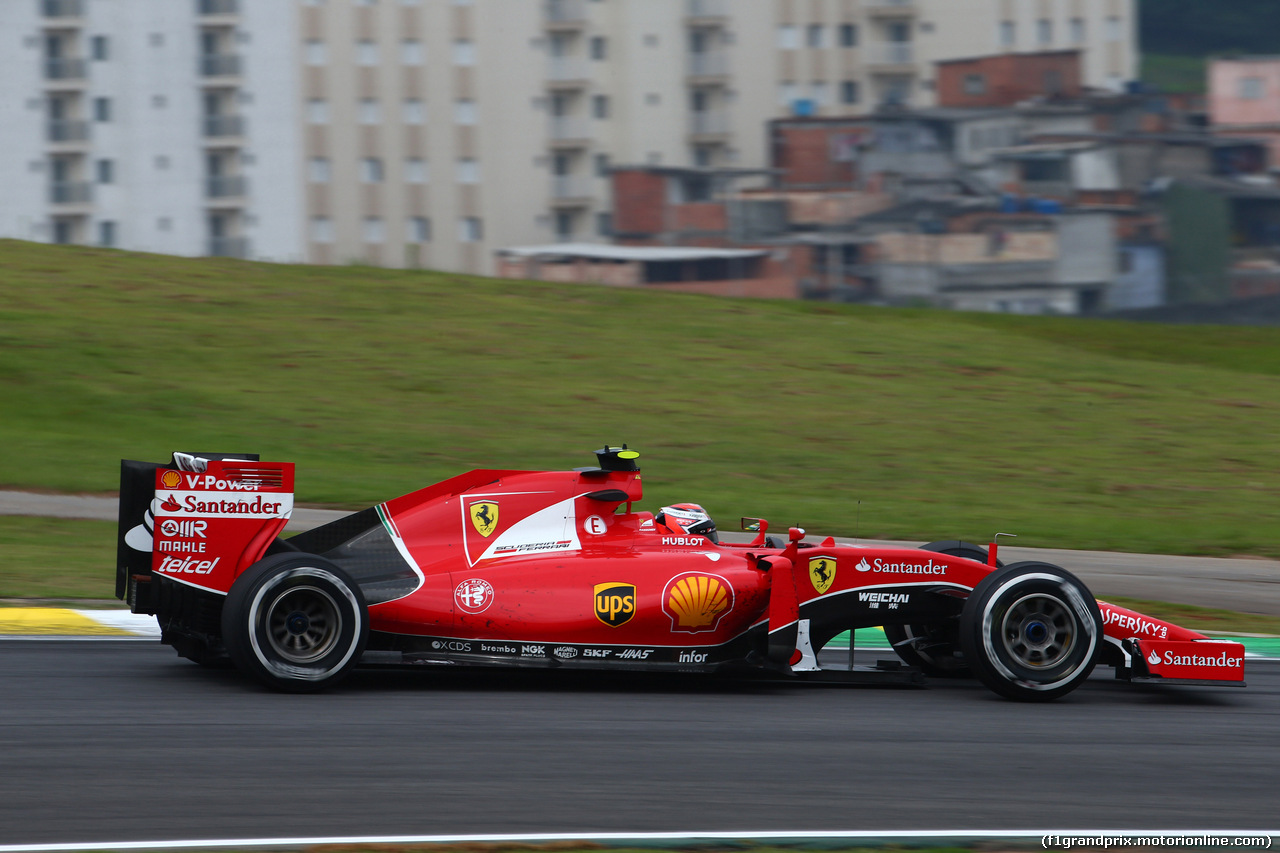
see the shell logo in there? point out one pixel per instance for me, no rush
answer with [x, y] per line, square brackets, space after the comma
[171, 479]
[696, 601]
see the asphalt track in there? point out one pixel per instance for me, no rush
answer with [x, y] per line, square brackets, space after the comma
[1246, 585]
[122, 741]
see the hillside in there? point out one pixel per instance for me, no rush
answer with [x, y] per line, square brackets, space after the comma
[903, 424]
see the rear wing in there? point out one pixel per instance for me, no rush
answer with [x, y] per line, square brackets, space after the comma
[200, 519]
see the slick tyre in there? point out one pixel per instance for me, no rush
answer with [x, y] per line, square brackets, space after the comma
[1031, 631]
[295, 622]
[934, 649]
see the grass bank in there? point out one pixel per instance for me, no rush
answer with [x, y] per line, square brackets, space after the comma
[884, 423]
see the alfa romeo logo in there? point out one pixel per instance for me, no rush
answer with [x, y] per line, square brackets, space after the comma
[473, 595]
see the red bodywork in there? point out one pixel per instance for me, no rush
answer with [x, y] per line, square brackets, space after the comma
[557, 567]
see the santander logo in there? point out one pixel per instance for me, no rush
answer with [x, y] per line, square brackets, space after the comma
[863, 565]
[1153, 658]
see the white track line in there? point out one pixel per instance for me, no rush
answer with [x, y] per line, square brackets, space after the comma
[883, 836]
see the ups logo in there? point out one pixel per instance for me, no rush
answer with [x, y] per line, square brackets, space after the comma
[615, 603]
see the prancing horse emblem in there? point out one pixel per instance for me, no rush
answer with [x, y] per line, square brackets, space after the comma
[484, 516]
[822, 572]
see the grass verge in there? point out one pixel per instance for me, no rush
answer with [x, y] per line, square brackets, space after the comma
[885, 423]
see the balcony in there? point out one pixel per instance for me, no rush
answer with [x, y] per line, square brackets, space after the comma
[895, 53]
[714, 63]
[709, 123]
[570, 190]
[891, 8]
[702, 10]
[220, 65]
[566, 14]
[225, 187]
[68, 130]
[64, 69]
[62, 8]
[229, 247]
[70, 192]
[568, 72]
[222, 127]
[218, 7]
[570, 129]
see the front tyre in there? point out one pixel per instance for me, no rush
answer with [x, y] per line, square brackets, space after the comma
[1031, 631]
[295, 622]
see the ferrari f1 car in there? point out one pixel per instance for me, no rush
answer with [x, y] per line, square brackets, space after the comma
[558, 569]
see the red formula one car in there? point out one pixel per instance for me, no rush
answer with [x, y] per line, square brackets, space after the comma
[557, 569]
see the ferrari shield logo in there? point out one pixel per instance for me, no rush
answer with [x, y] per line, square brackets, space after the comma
[484, 515]
[822, 572]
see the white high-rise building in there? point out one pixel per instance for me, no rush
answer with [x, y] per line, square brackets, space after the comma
[431, 132]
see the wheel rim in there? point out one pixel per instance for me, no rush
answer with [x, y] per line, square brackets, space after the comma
[1038, 631]
[303, 624]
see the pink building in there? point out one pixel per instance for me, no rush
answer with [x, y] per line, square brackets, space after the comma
[1244, 99]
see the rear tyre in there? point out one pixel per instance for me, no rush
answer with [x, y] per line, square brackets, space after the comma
[1031, 631]
[934, 649]
[296, 622]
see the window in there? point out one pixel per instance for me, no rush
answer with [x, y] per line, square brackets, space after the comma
[1053, 81]
[1113, 29]
[321, 229]
[468, 171]
[975, 84]
[106, 171]
[1044, 32]
[1077, 30]
[849, 91]
[369, 111]
[564, 224]
[318, 171]
[367, 53]
[415, 170]
[600, 106]
[99, 48]
[414, 112]
[371, 170]
[102, 109]
[848, 35]
[464, 52]
[598, 47]
[602, 165]
[653, 99]
[788, 37]
[470, 229]
[1251, 88]
[374, 232]
[464, 111]
[1008, 33]
[813, 35]
[819, 92]
[107, 234]
[318, 111]
[604, 224]
[317, 53]
[417, 229]
[411, 52]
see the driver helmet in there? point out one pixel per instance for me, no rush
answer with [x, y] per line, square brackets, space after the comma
[688, 518]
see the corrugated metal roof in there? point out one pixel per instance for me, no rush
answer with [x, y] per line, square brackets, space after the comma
[607, 252]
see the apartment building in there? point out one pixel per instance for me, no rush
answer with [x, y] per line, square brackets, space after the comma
[433, 132]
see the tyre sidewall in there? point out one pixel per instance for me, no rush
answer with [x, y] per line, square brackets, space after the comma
[982, 641]
[246, 615]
